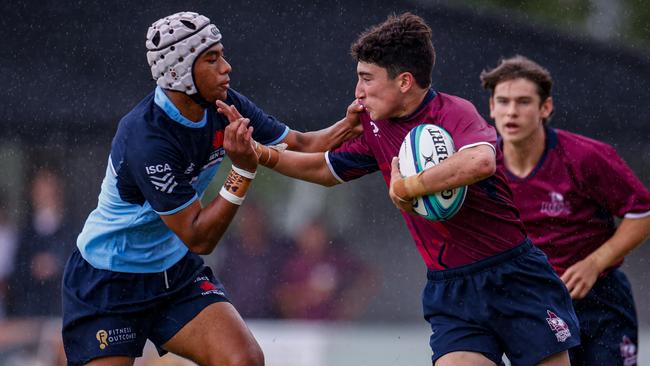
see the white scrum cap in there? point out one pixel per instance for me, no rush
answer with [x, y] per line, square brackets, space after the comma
[173, 43]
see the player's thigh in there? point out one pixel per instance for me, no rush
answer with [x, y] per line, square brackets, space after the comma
[112, 361]
[463, 358]
[611, 348]
[533, 316]
[217, 336]
[608, 324]
[558, 359]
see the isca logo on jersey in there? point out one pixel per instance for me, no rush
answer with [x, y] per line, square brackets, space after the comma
[164, 182]
[158, 168]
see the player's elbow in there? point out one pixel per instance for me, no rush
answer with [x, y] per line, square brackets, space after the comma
[328, 180]
[301, 142]
[484, 166]
[201, 247]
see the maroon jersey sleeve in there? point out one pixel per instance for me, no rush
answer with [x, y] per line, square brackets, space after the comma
[609, 180]
[352, 160]
[468, 128]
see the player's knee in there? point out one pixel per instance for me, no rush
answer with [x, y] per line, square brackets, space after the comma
[464, 358]
[251, 356]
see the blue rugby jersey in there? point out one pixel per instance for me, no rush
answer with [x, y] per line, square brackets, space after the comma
[160, 162]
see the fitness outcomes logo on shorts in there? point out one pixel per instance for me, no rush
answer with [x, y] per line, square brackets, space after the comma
[115, 336]
[558, 326]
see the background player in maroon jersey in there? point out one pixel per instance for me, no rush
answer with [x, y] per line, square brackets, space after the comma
[568, 189]
[489, 291]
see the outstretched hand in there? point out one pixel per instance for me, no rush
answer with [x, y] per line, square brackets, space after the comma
[238, 138]
[395, 176]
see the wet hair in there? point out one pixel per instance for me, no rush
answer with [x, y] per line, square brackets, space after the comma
[518, 67]
[400, 44]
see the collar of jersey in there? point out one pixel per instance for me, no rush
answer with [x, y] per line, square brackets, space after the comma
[162, 100]
[549, 144]
[429, 97]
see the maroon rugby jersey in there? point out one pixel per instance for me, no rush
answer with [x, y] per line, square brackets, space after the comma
[487, 223]
[569, 200]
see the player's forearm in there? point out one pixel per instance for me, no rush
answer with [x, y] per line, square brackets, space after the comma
[325, 139]
[310, 167]
[461, 169]
[212, 222]
[629, 235]
[201, 228]
[210, 225]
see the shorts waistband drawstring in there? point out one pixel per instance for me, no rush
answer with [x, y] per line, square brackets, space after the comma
[166, 280]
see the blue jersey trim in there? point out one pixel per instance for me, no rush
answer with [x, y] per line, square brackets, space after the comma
[162, 100]
[279, 139]
[171, 212]
[331, 168]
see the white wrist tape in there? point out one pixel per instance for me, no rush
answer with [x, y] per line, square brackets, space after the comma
[231, 197]
[244, 173]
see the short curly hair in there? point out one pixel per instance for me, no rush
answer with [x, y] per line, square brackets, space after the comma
[518, 67]
[402, 43]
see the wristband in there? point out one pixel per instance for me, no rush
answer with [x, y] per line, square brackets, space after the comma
[400, 198]
[400, 191]
[231, 197]
[414, 185]
[244, 173]
[235, 187]
[267, 156]
[410, 187]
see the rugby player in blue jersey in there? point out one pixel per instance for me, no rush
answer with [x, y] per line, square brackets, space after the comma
[136, 273]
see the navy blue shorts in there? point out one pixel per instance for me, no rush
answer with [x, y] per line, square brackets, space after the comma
[512, 303]
[608, 324]
[109, 313]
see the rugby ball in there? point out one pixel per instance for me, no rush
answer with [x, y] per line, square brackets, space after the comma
[423, 147]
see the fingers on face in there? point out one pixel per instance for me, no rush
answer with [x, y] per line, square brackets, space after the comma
[356, 105]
